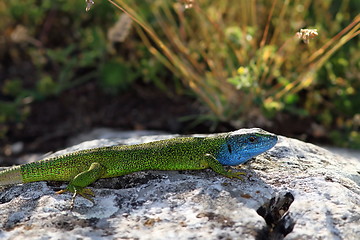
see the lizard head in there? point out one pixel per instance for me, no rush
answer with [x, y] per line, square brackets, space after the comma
[244, 144]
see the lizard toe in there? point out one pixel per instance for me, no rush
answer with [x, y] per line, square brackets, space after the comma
[232, 174]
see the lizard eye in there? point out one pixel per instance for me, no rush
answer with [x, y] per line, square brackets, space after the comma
[252, 139]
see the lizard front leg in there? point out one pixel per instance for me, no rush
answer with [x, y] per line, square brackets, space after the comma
[79, 183]
[216, 166]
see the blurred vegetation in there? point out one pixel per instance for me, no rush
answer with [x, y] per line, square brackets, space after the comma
[50, 46]
[241, 58]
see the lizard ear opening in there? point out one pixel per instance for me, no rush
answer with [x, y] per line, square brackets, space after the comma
[229, 148]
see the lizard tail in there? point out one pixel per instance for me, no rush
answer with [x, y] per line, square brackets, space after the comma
[10, 176]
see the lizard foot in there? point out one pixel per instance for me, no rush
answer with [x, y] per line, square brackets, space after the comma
[231, 174]
[84, 192]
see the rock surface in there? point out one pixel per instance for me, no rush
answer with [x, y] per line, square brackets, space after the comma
[294, 191]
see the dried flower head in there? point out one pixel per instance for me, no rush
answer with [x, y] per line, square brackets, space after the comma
[306, 34]
[187, 3]
[89, 3]
[121, 29]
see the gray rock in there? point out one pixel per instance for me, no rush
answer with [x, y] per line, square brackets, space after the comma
[294, 191]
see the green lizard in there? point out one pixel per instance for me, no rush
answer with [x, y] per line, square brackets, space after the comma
[84, 167]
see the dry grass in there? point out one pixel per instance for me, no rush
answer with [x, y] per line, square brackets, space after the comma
[238, 56]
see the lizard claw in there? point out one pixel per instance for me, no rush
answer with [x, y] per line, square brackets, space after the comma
[87, 193]
[84, 192]
[62, 191]
[231, 174]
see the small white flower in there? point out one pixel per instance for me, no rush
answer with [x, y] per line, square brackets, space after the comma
[89, 3]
